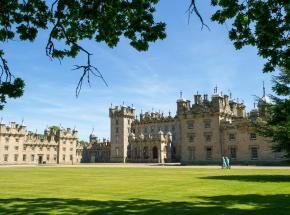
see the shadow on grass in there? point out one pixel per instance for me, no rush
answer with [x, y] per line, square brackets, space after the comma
[227, 204]
[252, 178]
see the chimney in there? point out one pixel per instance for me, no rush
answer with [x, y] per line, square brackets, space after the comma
[197, 99]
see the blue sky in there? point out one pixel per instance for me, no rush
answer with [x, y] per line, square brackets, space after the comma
[188, 59]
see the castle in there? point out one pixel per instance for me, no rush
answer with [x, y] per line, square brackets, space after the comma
[55, 146]
[199, 133]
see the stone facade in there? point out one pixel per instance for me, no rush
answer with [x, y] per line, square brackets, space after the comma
[201, 132]
[96, 151]
[18, 146]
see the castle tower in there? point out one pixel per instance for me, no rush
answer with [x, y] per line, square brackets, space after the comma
[121, 119]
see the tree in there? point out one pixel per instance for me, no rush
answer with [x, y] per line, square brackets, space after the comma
[72, 21]
[276, 125]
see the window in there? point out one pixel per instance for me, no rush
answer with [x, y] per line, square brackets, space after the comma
[152, 129]
[166, 128]
[63, 149]
[71, 149]
[7, 139]
[54, 157]
[117, 130]
[40, 149]
[6, 148]
[191, 153]
[71, 157]
[208, 137]
[32, 157]
[17, 140]
[254, 153]
[16, 148]
[117, 151]
[117, 122]
[63, 157]
[207, 123]
[71, 142]
[190, 137]
[173, 128]
[253, 136]
[24, 157]
[47, 157]
[190, 124]
[64, 142]
[128, 121]
[33, 148]
[48, 148]
[208, 153]
[24, 148]
[6, 157]
[233, 153]
[145, 130]
[232, 137]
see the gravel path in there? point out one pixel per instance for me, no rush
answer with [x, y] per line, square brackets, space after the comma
[145, 165]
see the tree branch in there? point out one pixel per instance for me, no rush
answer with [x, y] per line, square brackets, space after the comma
[193, 9]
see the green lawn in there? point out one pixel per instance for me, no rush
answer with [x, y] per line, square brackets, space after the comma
[143, 191]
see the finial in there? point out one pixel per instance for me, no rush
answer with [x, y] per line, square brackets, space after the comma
[264, 91]
[92, 130]
[111, 105]
[215, 90]
[181, 94]
[123, 103]
[1, 120]
[221, 93]
[169, 113]
[230, 94]
[254, 105]
[196, 92]
[22, 121]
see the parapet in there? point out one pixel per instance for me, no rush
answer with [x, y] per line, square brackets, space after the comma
[13, 129]
[122, 111]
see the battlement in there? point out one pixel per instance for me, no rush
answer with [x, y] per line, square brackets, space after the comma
[122, 111]
[218, 104]
[13, 129]
[53, 133]
[153, 117]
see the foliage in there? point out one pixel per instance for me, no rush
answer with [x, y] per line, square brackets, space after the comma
[72, 21]
[83, 143]
[262, 24]
[53, 128]
[266, 26]
[277, 124]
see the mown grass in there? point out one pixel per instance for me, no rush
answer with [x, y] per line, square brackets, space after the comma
[143, 191]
